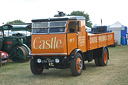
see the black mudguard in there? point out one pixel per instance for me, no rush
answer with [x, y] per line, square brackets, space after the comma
[74, 52]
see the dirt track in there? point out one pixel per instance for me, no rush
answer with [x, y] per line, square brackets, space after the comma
[115, 73]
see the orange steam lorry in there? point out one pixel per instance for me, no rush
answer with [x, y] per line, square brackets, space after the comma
[62, 42]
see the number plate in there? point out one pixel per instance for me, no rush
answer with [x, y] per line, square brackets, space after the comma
[47, 61]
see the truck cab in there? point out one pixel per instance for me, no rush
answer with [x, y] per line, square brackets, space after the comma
[58, 36]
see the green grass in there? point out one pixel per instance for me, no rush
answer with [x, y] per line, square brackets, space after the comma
[115, 73]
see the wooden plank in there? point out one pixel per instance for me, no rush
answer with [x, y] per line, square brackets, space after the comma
[102, 39]
[110, 38]
[93, 42]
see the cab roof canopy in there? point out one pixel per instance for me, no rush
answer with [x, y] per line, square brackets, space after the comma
[59, 18]
[24, 26]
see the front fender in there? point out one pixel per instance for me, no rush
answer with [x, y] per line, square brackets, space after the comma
[74, 52]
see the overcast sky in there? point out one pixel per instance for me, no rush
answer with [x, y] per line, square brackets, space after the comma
[110, 11]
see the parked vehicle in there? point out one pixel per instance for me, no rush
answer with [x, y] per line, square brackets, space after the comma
[62, 42]
[16, 43]
[4, 57]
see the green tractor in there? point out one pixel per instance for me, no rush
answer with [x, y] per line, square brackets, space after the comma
[16, 41]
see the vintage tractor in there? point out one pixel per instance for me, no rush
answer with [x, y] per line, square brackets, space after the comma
[3, 55]
[16, 41]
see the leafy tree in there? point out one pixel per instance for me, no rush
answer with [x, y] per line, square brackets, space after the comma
[81, 13]
[15, 22]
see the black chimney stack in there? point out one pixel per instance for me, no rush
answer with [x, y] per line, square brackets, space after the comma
[60, 14]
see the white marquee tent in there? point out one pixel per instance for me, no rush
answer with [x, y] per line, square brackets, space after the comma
[116, 28]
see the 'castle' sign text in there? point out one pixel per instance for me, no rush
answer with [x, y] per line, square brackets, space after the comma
[52, 43]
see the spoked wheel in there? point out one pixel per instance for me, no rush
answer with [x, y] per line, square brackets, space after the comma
[19, 54]
[76, 65]
[102, 59]
[36, 68]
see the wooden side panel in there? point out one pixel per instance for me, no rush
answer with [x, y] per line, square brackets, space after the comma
[110, 39]
[93, 42]
[100, 40]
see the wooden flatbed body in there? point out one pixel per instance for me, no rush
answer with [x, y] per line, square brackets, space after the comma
[99, 40]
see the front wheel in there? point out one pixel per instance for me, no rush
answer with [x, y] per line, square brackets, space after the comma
[76, 65]
[36, 68]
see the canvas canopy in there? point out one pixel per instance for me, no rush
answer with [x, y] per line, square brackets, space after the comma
[17, 27]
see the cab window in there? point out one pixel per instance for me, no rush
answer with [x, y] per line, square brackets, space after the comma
[49, 27]
[72, 27]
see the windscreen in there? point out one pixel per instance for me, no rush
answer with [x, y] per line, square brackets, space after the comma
[49, 27]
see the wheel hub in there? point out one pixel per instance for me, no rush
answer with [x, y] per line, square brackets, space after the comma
[80, 64]
[105, 57]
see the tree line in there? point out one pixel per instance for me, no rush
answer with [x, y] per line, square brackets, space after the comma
[74, 13]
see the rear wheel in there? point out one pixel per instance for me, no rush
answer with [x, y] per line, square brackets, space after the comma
[102, 58]
[36, 68]
[97, 54]
[76, 65]
[19, 54]
[97, 61]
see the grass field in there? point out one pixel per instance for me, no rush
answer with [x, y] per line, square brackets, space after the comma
[115, 73]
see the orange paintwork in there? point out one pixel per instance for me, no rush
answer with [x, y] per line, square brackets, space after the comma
[64, 44]
[71, 42]
[78, 67]
[78, 39]
[49, 43]
[92, 42]
[82, 37]
[71, 38]
[100, 40]
[105, 57]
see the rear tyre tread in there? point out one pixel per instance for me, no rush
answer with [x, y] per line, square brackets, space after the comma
[97, 62]
[101, 60]
[99, 56]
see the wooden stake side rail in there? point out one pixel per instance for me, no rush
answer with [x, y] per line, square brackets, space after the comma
[100, 40]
